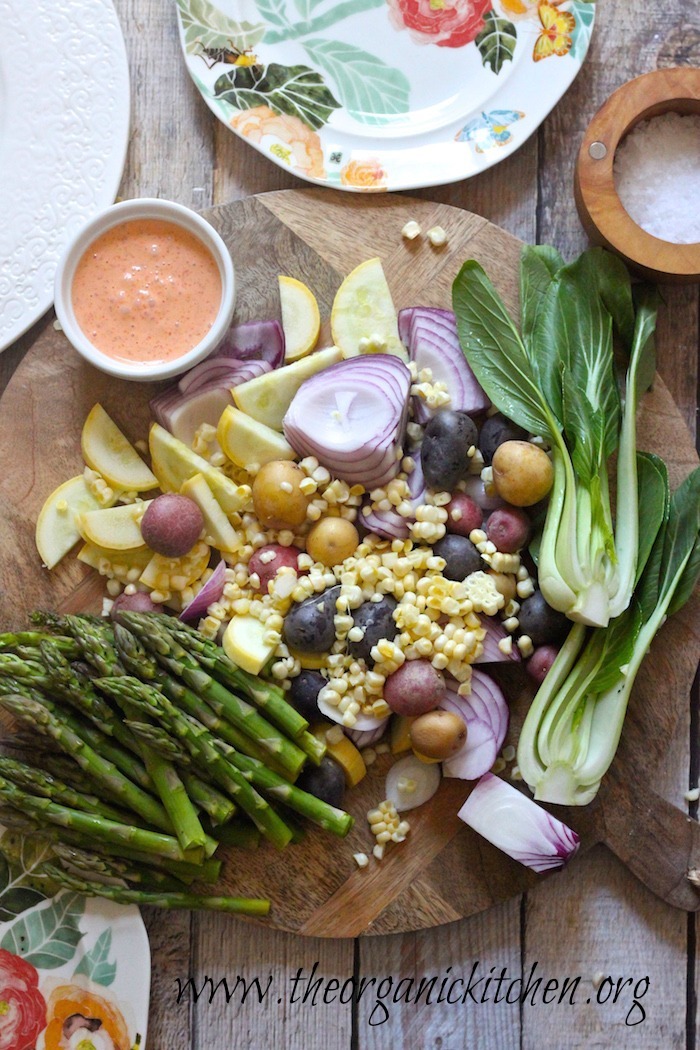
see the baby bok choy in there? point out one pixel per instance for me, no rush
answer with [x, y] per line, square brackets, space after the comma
[556, 378]
[573, 726]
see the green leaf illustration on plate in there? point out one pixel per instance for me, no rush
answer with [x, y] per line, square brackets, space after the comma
[95, 964]
[307, 7]
[584, 13]
[295, 90]
[273, 11]
[21, 882]
[47, 937]
[207, 28]
[496, 41]
[368, 89]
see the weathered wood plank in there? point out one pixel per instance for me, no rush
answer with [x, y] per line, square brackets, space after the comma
[295, 974]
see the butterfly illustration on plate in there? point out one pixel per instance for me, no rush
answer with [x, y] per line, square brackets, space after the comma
[490, 129]
[555, 36]
[229, 55]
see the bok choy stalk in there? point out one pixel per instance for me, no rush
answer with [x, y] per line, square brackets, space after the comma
[557, 380]
[573, 727]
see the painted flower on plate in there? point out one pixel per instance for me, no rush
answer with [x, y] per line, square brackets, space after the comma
[447, 23]
[79, 1019]
[364, 174]
[22, 1006]
[283, 135]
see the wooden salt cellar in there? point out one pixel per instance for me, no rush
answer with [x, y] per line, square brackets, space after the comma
[600, 209]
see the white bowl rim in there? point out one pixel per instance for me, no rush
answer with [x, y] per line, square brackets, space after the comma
[114, 215]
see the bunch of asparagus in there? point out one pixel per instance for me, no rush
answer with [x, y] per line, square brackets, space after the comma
[168, 751]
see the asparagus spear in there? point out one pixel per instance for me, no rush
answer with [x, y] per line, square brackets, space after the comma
[54, 724]
[141, 664]
[100, 828]
[240, 713]
[268, 782]
[233, 905]
[41, 783]
[12, 640]
[266, 696]
[198, 742]
[95, 639]
[217, 807]
[92, 864]
[185, 871]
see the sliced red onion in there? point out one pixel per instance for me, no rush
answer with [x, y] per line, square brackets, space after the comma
[495, 632]
[211, 592]
[183, 414]
[515, 824]
[352, 418]
[486, 715]
[254, 341]
[425, 778]
[386, 523]
[431, 338]
[416, 480]
[226, 371]
[366, 737]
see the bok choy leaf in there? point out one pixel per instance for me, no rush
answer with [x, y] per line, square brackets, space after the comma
[573, 727]
[557, 380]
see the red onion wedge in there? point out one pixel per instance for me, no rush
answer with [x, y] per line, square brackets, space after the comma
[201, 396]
[385, 523]
[515, 824]
[430, 336]
[352, 418]
[367, 737]
[211, 592]
[486, 715]
[495, 632]
[254, 341]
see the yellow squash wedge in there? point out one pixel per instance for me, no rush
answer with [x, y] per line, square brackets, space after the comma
[56, 527]
[109, 452]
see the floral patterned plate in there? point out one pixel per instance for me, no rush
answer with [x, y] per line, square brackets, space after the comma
[74, 972]
[384, 94]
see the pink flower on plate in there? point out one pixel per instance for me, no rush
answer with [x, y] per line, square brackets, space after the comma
[447, 23]
[22, 1006]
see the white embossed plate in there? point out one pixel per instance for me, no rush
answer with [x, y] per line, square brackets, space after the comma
[64, 127]
[370, 95]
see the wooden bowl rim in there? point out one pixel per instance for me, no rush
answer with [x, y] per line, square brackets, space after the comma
[599, 205]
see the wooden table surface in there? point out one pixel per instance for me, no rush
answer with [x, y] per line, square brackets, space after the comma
[594, 921]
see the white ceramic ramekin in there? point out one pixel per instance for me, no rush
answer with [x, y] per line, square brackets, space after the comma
[144, 208]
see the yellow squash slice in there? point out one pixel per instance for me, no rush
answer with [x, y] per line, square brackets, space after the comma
[244, 643]
[301, 320]
[363, 318]
[116, 528]
[219, 532]
[56, 527]
[109, 452]
[267, 397]
[173, 463]
[246, 441]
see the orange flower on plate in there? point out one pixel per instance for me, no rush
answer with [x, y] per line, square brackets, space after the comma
[364, 174]
[287, 137]
[555, 36]
[72, 1008]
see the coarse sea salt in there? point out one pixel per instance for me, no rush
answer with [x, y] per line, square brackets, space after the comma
[657, 176]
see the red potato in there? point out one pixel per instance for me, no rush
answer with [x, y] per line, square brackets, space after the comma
[414, 688]
[540, 662]
[463, 514]
[509, 529]
[172, 525]
[267, 561]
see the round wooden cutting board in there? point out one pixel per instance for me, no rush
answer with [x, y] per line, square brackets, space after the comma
[443, 871]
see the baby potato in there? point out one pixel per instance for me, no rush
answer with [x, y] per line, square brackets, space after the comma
[278, 500]
[522, 473]
[172, 525]
[438, 735]
[415, 688]
[332, 540]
